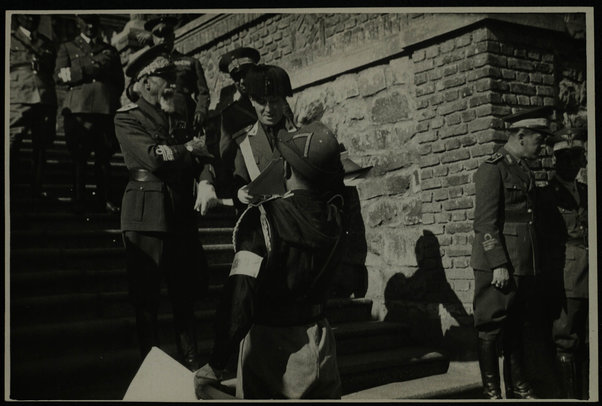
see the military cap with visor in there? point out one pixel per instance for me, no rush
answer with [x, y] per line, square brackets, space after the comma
[89, 18]
[536, 119]
[314, 152]
[154, 61]
[265, 81]
[568, 138]
[238, 58]
[164, 20]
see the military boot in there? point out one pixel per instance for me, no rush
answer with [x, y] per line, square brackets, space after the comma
[489, 366]
[78, 186]
[146, 327]
[567, 373]
[187, 347]
[517, 385]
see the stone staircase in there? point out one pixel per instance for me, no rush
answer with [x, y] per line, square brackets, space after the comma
[72, 329]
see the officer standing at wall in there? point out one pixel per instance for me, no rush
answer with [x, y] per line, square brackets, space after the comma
[505, 253]
[566, 254]
[287, 250]
[92, 71]
[192, 93]
[267, 87]
[157, 219]
[32, 95]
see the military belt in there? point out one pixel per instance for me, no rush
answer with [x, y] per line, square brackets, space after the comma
[289, 315]
[142, 175]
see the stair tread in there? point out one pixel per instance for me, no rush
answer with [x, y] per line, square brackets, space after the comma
[102, 231]
[97, 323]
[94, 251]
[460, 377]
[388, 358]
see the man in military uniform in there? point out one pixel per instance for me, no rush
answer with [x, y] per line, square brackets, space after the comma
[192, 93]
[32, 95]
[234, 108]
[157, 218]
[504, 252]
[287, 250]
[267, 87]
[566, 258]
[92, 70]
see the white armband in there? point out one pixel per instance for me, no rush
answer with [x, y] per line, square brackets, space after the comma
[246, 263]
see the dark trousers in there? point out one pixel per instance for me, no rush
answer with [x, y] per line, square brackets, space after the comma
[37, 121]
[570, 327]
[177, 257]
[86, 133]
[497, 310]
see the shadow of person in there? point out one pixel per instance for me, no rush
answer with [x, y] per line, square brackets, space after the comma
[428, 304]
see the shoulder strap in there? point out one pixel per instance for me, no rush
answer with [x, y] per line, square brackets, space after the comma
[247, 154]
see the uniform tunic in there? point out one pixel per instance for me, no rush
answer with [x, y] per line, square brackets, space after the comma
[504, 226]
[157, 217]
[93, 96]
[565, 237]
[287, 251]
[32, 92]
[192, 93]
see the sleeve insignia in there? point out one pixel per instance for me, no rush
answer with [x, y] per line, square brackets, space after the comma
[494, 158]
[165, 152]
[489, 243]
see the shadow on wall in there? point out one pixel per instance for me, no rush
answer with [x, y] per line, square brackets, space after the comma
[428, 304]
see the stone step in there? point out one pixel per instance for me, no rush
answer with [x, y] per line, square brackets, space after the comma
[65, 188]
[122, 364]
[101, 238]
[94, 258]
[374, 367]
[59, 152]
[48, 282]
[40, 220]
[71, 337]
[461, 381]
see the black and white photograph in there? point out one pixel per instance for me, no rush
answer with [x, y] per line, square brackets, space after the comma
[343, 204]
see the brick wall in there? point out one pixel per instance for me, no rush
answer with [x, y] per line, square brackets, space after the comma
[419, 97]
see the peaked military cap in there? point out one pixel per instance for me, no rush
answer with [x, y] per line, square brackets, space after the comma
[238, 57]
[313, 151]
[568, 138]
[165, 19]
[536, 119]
[152, 61]
[267, 80]
[89, 18]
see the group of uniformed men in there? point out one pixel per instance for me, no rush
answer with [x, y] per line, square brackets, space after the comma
[289, 246]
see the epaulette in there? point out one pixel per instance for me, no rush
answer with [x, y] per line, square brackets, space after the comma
[242, 131]
[127, 107]
[494, 158]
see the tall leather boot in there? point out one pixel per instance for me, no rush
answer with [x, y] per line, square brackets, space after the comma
[517, 385]
[568, 376]
[187, 346]
[148, 333]
[79, 168]
[489, 366]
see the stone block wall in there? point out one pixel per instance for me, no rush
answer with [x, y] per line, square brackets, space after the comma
[420, 98]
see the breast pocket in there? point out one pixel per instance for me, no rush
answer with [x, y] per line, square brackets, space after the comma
[513, 192]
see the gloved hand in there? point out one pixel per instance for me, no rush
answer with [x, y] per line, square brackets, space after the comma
[206, 198]
[65, 74]
[197, 147]
[243, 195]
